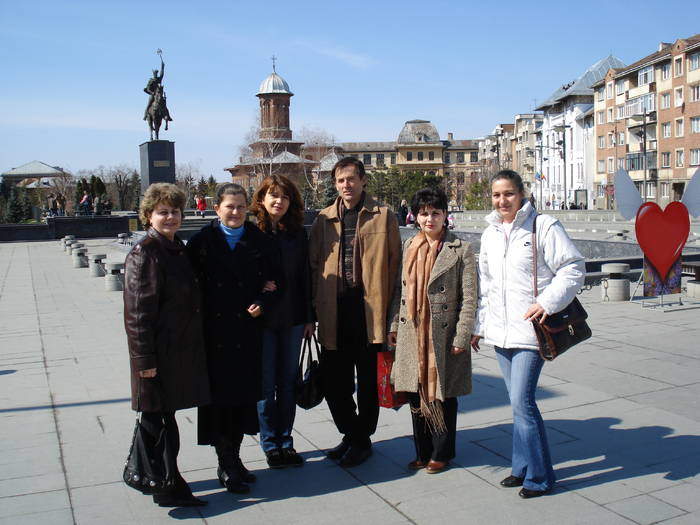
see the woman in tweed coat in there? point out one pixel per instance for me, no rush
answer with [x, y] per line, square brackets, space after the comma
[432, 362]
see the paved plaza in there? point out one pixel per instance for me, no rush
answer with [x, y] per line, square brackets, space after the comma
[622, 412]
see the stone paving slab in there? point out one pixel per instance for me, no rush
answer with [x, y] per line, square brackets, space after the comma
[621, 412]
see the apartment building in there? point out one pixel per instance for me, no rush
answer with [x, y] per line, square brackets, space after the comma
[647, 121]
[526, 127]
[420, 148]
[562, 140]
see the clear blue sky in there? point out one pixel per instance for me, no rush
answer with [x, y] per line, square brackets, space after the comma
[72, 73]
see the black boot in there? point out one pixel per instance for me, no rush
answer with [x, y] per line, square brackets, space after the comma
[180, 496]
[229, 473]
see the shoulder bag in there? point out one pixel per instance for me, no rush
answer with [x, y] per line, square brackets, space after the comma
[562, 330]
[309, 387]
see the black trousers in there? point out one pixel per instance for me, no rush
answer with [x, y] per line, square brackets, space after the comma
[429, 445]
[153, 423]
[354, 356]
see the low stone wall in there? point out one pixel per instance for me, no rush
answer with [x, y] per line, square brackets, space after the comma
[24, 232]
[88, 227]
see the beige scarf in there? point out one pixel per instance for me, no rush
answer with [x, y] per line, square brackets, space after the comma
[420, 258]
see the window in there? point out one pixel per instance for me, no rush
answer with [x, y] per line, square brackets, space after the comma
[380, 159]
[367, 159]
[680, 158]
[600, 117]
[621, 138]
[460, 157]
[601, 166]
[393, 158]
[645, 76]
[610, 114]
[420, 155]
[447, 158]
[666, 130]
[460, 177]
[665, 100]
[665, 189]
[619, 87]
[601, 141]
[679, 127]
[651, 190]
[694, 93]
[666, 71]
[695, 124]
[694, 61]
[679, 96]
[678, 66]
[611, 140]
[609, 90]
[621, 163]
[409, 155]
[473, 156]
[620, 112]
[695, 157]
[431, 155]
[665, 159]
[611, 164]
[601, 191]
[601, 94]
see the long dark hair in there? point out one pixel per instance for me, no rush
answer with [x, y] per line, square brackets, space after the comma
[294, 218]
[512, 176]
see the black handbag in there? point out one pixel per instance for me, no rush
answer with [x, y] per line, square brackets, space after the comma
[150, 467]
[309, 387]
[561, 330]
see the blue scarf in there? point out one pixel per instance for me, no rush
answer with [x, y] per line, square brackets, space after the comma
[232, 235]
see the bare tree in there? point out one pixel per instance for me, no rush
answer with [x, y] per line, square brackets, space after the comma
[123, 186]
[317, 144]
[186, 176]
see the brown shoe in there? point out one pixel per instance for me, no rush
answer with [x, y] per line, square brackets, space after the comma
[416, 464]
[434, 467]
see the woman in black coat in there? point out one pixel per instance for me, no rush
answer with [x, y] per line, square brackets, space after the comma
[234, 261]
[280, 212]
[163, 322]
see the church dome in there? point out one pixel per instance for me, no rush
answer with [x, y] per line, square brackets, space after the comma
[419, 132]
[274, 84]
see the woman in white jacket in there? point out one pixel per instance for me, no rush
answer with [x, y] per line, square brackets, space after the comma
[507, 306]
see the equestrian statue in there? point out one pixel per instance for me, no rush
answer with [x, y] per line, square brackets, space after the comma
[157, 107]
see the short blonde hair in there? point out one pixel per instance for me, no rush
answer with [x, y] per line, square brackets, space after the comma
[157, 193]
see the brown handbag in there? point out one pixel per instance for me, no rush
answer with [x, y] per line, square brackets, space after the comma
[562, 330]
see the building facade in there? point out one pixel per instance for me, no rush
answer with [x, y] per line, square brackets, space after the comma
[420, 148]
[647, 121]
[563, 138]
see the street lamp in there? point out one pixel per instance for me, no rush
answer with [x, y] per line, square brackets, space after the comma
[562, 128]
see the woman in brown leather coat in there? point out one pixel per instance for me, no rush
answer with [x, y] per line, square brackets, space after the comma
[163, 321]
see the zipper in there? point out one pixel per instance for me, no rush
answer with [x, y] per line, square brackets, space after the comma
[506, 239]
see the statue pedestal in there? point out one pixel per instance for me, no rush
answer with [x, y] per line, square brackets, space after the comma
[157, 163]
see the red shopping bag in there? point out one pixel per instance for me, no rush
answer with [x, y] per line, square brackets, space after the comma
[388, 398]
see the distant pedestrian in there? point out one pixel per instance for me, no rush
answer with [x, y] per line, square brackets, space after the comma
[403, 212]
[201, 205]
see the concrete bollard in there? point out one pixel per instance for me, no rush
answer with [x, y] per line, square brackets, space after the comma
[80, 258]
[114, 279]
[122, 237]
[693, 288]
[66, 245]
[74, 246]
[97, 267]
[616, 287]
[62, 240]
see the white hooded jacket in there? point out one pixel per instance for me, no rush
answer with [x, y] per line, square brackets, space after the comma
[505, 276]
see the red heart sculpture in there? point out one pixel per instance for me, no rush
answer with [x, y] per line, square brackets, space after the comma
[662, 234]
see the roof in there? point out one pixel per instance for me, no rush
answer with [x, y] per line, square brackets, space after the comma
[35, 168]
[418, 132]
[368, 146]
[274, 84]
[328, 161]
[662, 54]
[281, 158]
[586, 112]
[33, 183]
[460, 144]
[582, 85]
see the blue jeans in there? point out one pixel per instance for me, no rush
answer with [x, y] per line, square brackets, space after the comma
[531, 459]
[276, 411]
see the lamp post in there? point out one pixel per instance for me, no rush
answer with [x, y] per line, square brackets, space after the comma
[562, 128]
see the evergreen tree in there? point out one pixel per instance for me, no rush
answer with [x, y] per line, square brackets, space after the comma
[15, 212]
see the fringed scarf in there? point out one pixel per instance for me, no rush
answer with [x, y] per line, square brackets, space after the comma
[420, 259]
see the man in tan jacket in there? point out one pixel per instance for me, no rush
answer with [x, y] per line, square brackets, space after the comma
[354, 249]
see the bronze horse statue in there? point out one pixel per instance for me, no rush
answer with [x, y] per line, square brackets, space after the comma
[157, 112]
